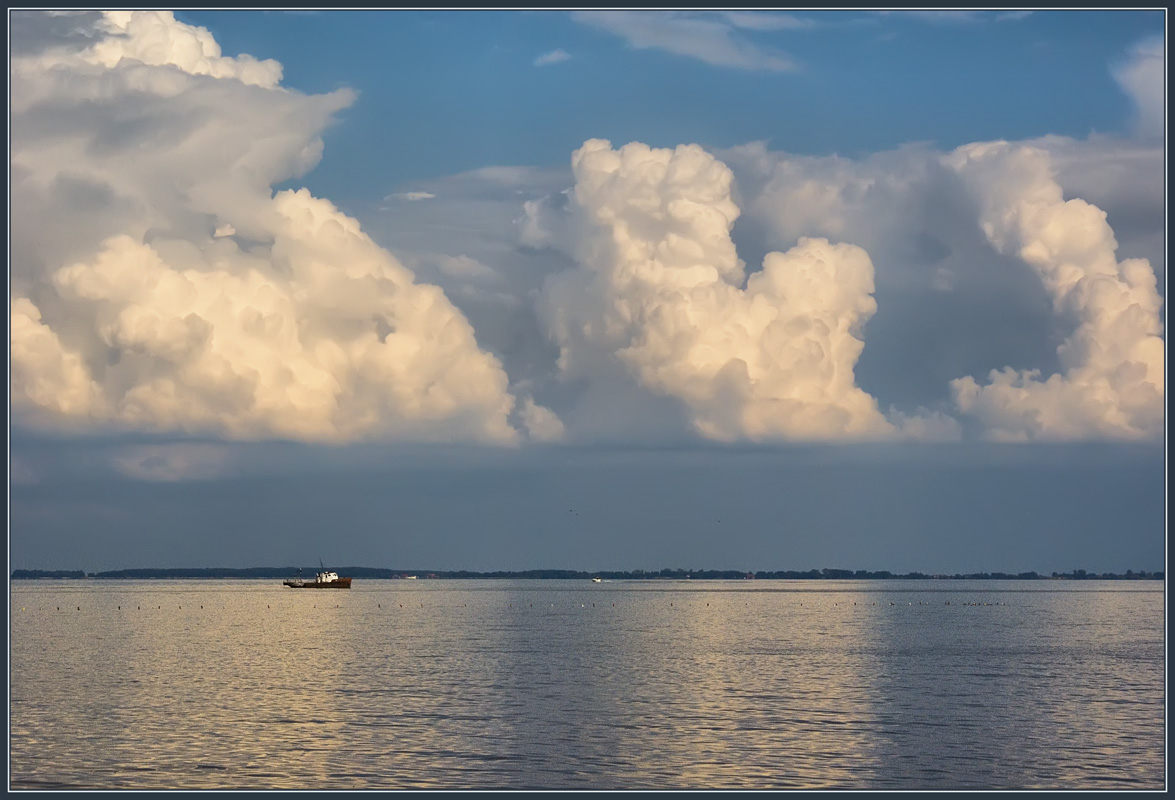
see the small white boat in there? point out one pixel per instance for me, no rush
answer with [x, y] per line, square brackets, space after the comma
[597, 580]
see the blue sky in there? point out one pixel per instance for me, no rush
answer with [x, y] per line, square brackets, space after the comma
[451, 91]
[740, 289]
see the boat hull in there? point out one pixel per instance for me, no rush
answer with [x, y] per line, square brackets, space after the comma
[341, 583]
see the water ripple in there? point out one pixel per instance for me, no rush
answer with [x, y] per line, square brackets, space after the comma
[489, 685]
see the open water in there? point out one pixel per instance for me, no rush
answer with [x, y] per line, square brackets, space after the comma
[573, 685]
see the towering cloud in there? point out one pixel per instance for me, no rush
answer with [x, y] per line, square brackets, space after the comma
[661, 289]
[160, 285]
[1113, 379]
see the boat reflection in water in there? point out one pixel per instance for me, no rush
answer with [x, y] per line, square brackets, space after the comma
[323, 580]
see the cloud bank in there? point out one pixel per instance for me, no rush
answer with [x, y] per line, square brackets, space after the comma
[772, 355]
[160, 284]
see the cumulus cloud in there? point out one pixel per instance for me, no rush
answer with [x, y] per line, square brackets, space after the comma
[542, 424]
[553, 57]
[661, 290]
[712, 38]
[1142, 75]
[159, 284]
[939, 289]
[775, 353]
[155, 38]
[1124, 178]
[45, 375]
[1112, 379]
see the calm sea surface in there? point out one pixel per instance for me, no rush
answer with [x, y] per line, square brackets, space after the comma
[549, 684]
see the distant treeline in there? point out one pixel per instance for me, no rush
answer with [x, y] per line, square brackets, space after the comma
[639, 574]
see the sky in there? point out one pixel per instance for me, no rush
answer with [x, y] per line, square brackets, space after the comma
[588, 289]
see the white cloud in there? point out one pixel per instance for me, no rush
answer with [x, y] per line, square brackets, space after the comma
[1142, 75]
[949, 305]
[542, 425]
[1125, 178]
[553, 57]
[1113, 379]
[44, 374]
[712, 38]
[158, 284]
[414, 196]
[155, 38]
[133, 306]
[660, 291]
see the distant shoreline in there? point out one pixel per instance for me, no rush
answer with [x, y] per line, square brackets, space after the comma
[373, 573]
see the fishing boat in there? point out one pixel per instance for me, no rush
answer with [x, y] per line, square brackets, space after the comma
[596, 580]
[324, 579]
